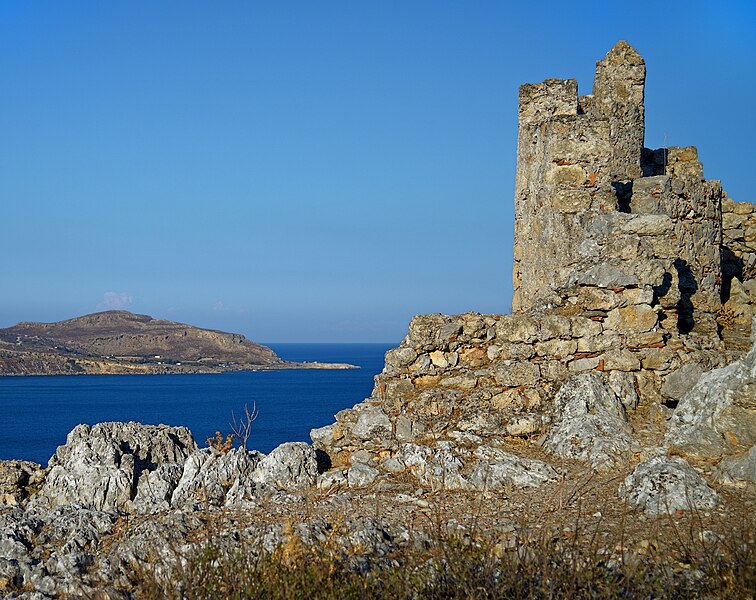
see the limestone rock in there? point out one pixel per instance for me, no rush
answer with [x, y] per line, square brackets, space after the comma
[665, 484]
[360, 475]
[737, 470]
[718, 416]
[372, 423]
[623, 385]
[515, 373]
[18, 479]
[292, 465]
[323, 436]
[399, 358]
[101, 466]
[208, 475]
[590, 424]
[496, 468]
[439, 467]
[155, 489]
[636, 318]
[680, 382]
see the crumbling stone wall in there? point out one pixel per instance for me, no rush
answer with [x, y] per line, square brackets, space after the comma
[738, 271]
[494, 375]
[620, 269]
[595, 211]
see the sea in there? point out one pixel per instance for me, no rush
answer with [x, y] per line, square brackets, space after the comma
[38, 412]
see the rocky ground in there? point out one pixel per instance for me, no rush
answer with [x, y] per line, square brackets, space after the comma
[124, 503]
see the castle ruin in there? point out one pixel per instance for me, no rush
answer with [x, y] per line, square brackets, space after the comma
[627, 264]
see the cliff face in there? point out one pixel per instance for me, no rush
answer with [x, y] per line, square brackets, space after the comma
[123, 342]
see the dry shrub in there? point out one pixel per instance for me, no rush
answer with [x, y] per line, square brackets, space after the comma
[576, 561]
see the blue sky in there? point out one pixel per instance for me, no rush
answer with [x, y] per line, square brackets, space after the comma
[313, 171]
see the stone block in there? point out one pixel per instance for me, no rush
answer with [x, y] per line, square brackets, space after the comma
[554, 326]
[621, 360]
[573, 175]
[571, 200]
[596, 298]
[643, 338]
[633, 296]
[556, 347]
[648, 225]
[598, 343]
[743, 208]
[520, 425]
[632, 318]
[584, 364]
[605, 275]
[515, 328]
[372, 423]
[462, 382]
[732, 221]
[516, 373]
[473, 357]
[400, 358]
[659, 359]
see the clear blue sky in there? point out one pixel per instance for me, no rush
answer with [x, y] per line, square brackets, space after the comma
[313, 171]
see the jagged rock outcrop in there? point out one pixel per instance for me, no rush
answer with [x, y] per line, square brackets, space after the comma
[591, 424]
[130, 467]
[718, 415]
[102, 466]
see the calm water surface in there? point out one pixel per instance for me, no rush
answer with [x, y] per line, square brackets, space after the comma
[38, 412]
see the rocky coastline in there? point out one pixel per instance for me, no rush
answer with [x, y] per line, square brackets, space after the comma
[122, 343]
[614, 411]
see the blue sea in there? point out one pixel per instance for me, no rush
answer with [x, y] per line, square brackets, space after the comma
[38, 412]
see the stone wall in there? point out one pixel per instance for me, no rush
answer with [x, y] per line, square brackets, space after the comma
[620, 270]
[738, 270]
[596, 211]
[494, 375]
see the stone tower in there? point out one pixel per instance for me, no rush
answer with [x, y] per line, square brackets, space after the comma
[595, 212]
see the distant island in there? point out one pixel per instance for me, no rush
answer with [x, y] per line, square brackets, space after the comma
[119, 342]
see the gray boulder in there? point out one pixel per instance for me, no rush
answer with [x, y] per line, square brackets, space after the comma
[718, 415]
[101, 466]
[680, 382]
[209, 475]
[496, 468]
[591, 424]
[439, 467]
[360, 475]
[372, 423]
[665, 484]
[290, 466]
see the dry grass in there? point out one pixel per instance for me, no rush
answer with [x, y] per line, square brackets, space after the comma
[577, 557]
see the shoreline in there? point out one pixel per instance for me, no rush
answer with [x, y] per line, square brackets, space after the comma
[126, 369]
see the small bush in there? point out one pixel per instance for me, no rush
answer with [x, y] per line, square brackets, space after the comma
[219, 444]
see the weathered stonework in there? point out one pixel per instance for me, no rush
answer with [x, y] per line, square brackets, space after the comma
[618, 270]
[596, 214]
[738, 271]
